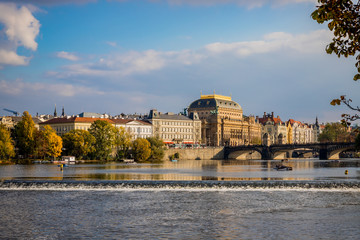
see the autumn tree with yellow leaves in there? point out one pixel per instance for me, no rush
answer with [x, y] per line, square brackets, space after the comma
[52, 142]
[141, 149]
[6, 144]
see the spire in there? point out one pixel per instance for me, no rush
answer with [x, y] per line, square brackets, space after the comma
[55, 113]
[317, 122]
[63, 112]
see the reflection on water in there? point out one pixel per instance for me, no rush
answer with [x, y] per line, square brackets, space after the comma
[191, 170]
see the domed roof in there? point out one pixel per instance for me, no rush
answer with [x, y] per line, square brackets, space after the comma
[211, 101]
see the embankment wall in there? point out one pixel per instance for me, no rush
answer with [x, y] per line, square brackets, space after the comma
[215, 153]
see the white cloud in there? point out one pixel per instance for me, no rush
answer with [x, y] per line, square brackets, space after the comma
[21, 29]
[11, 58]
[113, 44]
[19, 87]
[130, 63]
[302, 43]
[67, 55]
[134, 62]
[21, 26]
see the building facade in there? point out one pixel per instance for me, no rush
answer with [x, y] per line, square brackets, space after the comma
[223, 123]
[137, 128]
[274, 131]
[175, 128]
[66, 124]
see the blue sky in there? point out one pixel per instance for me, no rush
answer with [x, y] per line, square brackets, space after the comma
[130, 56]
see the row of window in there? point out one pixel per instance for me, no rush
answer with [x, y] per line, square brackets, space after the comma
[176, 123]
[139, 130]
[176, 136]
[187, 130]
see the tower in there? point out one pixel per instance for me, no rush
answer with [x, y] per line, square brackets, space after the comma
[55, 113]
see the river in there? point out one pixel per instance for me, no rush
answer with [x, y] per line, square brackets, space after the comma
[199, 199]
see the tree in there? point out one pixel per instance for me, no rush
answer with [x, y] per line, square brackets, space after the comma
[104, 134]
[122, 142]
[78, 143]
[52, 142]
[141, 149]
[357, 142]
[6, 144]
[334, 132]
[343, 17]
[25, 136]
[157, 148]
[40, 145]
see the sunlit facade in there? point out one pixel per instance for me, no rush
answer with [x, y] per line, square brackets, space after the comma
[223, 123]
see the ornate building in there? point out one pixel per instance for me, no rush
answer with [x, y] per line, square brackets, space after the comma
[274, 131]
[223, 123]
[175, 128]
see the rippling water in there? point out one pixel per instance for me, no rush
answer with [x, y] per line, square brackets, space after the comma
[199, 200]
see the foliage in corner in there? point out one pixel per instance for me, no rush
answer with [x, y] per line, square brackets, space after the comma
[343, 17]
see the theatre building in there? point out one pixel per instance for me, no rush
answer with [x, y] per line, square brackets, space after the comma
[223, 123]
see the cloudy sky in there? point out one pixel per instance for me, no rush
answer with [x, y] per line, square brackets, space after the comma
[127, 56]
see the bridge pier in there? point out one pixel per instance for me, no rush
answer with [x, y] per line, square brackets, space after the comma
[266, 154]
[323, 154]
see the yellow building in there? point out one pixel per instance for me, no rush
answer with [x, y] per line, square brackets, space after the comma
[66, 124]
[223, 123]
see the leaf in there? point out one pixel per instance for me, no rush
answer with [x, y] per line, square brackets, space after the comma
[356, 77]
[335, 102]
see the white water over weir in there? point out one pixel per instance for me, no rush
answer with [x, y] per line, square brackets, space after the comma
[179, 185]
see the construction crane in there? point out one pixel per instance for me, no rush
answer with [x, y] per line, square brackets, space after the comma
[13, 112]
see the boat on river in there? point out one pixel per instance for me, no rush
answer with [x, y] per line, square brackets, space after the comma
[283, 168]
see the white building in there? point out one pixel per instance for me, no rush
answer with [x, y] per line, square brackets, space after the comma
[137, 128]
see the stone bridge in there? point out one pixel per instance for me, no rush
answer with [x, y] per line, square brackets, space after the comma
[325, 150]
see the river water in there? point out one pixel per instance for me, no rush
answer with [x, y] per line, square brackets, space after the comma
[205, 199]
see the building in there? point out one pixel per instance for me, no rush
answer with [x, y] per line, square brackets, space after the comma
[66, 124]
[137, 128]
[273, 131]
[176, 128]
[11, 121]
[223, 123]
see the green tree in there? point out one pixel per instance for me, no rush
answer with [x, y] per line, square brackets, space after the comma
[343, 17]
[6, 144]
[141, 149]
[78, 143]
[52, 142]
[334, 132]
[104, 134]
[157, 148]
[122, 142]
[25, 135]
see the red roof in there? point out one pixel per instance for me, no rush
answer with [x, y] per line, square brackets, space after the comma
[275, 120]
[75, 119]
[292, 122]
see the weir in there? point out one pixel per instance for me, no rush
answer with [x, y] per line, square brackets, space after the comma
[173, 185]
